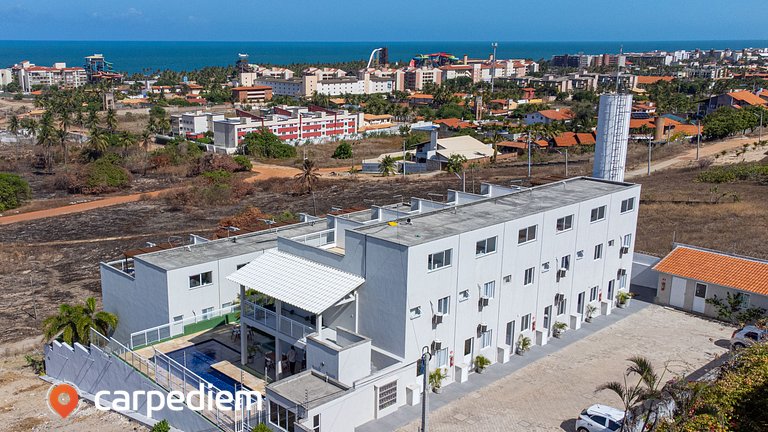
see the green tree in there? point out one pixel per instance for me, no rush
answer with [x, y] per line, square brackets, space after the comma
[455, 163]
[387, 166]
[343, 151]
[111, 120]
[268, 145]
[161, 426]
[72, 323]
[14, 190]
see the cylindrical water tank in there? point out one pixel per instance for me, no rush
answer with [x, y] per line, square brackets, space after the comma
[612, 136]
[659, 133]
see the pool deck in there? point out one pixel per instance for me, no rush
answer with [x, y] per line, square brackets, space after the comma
[221, 334]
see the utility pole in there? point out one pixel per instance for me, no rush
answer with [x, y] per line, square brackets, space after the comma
[649, 156]
[425, 357]
[529, 153]
[698, 138]
[493, 66]
[566, 161]
[403, 160]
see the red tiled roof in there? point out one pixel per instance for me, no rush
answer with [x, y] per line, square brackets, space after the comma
[687, 129]
[455, 123]
[741, 273]
[251, 88]
[563, 114]
[747, 97]
[512, 144]
[566, 139]
[653, 79]
[421, 96]
[586, 138]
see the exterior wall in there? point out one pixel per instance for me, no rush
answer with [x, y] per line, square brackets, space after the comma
[105, 373]
[664, 291]
[643, 273]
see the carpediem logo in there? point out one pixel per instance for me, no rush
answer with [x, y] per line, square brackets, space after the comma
[63, 399]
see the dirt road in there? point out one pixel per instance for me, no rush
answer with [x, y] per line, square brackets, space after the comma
[690, 156]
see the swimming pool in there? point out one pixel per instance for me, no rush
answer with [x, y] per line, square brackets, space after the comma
[198, 358]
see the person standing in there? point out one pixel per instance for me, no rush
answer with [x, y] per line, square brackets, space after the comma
[292, 360]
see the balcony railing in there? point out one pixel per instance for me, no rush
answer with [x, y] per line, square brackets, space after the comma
[268, 318]
[318, 239]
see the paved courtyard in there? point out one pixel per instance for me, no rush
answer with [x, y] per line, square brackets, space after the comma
[548, 393]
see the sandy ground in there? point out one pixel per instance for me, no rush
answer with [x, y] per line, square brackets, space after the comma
[23, 405]
[549, 394]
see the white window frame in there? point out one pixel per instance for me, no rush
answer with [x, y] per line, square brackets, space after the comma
[489, 289]
[486, 339]
[696, 289]
[446, 260]
[415, 312]
[598, 254]
[565, 262]
[464, 295]
[444, 305]
[627, 240]
[628, 205]
[525, 322]
[561, 307]
[485, 248]
[529, 276]
[206, 313]
[597, 214]
[441, 358]
[567, 224]
[528, 237]
[593, 294]
[197, 280]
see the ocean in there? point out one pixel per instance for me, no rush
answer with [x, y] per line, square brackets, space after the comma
[150, 56]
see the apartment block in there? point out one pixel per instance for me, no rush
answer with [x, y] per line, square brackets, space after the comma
[30, 75]
[252, 95]
[193, 124]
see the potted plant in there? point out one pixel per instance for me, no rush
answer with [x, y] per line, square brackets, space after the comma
[591, 309]
[559, 328]
[436, 378]
[523, 344]
[623, 298]
[481, 362]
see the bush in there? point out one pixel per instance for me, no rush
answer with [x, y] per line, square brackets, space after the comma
[731, 173]
[343, 151]
[244, 162]
[161, 426]
[101, 176]
[214, 162]
[14, 190]
[266, 144]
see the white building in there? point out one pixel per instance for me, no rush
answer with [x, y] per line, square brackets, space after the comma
[367, 292]
[59, 74]
[6, 77]
[193, 124]
[293, 124]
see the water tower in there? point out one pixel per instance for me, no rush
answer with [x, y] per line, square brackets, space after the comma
[612, 136]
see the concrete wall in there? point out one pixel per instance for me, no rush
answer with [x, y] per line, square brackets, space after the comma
[643, 273]
[92, 370]
[665, 289]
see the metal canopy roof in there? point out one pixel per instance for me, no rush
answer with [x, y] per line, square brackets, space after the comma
[297, 281]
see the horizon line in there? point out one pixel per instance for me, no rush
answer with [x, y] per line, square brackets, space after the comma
[390, 41]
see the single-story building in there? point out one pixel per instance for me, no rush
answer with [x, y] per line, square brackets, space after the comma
[690, 275]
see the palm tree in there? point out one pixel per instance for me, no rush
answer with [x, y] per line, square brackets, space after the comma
[111, 120]
[14, 125]
[387, 166]
[73, 323]
[646, 390]
[92, 121]
[629, 396]
[308, 177]
[65, 121]
[99, 142]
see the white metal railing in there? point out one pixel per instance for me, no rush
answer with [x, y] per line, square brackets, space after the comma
[268, 318]
[172, 329]
[317, 239]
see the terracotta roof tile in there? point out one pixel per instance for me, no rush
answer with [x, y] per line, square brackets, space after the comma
[566, 139]
[741, 273]
[563, 114]
[653, 79]
[747, 97]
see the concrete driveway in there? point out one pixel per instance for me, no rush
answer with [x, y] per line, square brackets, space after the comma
[547, 394]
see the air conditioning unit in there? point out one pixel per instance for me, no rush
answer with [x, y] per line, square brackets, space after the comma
[437, 318]
[561, 272]
[624, 250]
[484, 301]
[437, 345]
[621, 272]
[559, 298]
[482, 327]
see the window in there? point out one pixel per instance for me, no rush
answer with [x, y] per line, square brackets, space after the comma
[623, 281]
[561, 307]
[178, 318]
[316, 423]
[464, 295]
[207, 313]
[528, 279]
[565, 262]
[439, 260]
[415, 312]
[545, 267]
[525, 322]
[507, 278]
[468, 347]
[526, 234]
[610, 243]
[565, 223]
[441, 357]
[627, 205]
[281, 416]
[201, 279]
[627, 242]
[593, 294]
[489, 289]
[744, 301]
[510, 332]
[444, 305]
[226, 305]
[387, 395]
[597, 214]
[701, 290]
[485, 246]
[598, 251]
[599, 419]
[486, 338]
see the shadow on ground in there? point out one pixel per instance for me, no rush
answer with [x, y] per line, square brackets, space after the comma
[568, 425]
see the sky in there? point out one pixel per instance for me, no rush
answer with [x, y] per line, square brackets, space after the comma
[383, 20]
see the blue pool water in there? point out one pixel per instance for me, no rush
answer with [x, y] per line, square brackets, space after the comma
[199, 358]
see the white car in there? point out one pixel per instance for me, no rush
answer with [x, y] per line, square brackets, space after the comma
[600, 418]
[748, 336]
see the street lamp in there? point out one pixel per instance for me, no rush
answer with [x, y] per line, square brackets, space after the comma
[426, 356]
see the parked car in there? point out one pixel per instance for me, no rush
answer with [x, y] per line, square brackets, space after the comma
[747, 336]
[600, 418]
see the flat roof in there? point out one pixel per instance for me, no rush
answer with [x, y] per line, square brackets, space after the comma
[185, 256]
[492, 211]
[309, 389]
